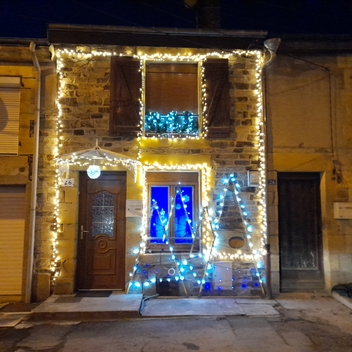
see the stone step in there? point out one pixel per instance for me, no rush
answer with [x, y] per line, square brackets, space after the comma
[70, 307]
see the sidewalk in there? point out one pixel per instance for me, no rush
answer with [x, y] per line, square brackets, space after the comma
[117, 306]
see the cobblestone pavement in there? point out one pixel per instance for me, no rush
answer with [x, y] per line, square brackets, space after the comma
[315, 323]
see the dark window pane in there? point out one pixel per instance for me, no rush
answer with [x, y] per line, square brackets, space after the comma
[159, 214]
[103, 210]
[183, 214]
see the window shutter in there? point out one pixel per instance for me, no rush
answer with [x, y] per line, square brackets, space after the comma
[9, 120]
[171, 87]
[125, 94]
[216, 74]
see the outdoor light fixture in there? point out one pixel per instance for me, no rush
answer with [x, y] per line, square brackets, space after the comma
[271, 45]
[93, 171]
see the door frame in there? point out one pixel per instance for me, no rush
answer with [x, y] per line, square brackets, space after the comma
[319, 271]
[80, 249]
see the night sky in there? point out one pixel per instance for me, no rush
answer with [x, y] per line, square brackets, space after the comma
[29, 19]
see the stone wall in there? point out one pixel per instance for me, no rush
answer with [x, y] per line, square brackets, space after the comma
[84, 104]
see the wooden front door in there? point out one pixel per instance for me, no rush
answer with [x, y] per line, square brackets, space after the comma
[300, 234]
[101, 232]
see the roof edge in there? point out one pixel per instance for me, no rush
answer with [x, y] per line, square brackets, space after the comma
[158, 30]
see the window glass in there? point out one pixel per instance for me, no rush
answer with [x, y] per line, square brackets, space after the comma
[173, 208]
[103, 211]
[159, 214]
[183, 214]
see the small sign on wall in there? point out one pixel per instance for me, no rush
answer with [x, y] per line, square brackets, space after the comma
[134, 208]
[343, 210]
[68, 182]
[253, 178]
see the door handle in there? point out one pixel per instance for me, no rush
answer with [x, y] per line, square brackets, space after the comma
[82, 232]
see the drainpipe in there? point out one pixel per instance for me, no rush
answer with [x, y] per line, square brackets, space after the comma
[33, 205]
[271, 45]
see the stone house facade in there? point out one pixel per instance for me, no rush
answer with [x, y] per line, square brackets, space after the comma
[109, 112]
[168, 167]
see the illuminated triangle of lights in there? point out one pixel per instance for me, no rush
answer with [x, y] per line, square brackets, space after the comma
[248, 228]
[214, 225]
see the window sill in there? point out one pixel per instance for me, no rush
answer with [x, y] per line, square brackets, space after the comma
[165, 249]
[172, 135]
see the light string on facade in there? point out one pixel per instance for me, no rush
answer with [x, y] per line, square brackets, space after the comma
[55, 258]
[144, 167]
[262, 211]
[210, 235]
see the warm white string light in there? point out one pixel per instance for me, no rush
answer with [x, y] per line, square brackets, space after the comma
[205, 170]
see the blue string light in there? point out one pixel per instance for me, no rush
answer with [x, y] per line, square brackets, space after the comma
[185, 123]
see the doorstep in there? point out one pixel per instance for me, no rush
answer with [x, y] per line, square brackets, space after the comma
[119, 306]
[71, 307]
[347, 301]
[210, 306]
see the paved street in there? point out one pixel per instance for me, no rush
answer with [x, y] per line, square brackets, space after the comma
[316, 323]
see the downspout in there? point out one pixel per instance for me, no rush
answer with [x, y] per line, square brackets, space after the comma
[271, 45]
[33, 205]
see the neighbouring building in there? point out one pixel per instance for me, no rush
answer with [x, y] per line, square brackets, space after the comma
[180, 162]
[309, 162]
[23, 68]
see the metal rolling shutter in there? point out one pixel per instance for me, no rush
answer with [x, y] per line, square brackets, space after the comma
[12, 223]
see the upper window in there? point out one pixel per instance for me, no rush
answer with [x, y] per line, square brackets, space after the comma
[173, 212]
[171, 99]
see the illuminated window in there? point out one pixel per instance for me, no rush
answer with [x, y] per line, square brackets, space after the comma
[173, 212]
[171, 99]
[171, 103]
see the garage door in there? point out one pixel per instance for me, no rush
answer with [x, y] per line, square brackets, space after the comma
[12, 222]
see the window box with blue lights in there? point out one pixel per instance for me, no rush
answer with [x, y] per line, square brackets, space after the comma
[173, 124]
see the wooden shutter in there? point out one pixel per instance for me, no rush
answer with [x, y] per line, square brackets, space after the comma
[216, 73]
[9, 120]
[12, 224]
[125, 94]
[171, 87]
